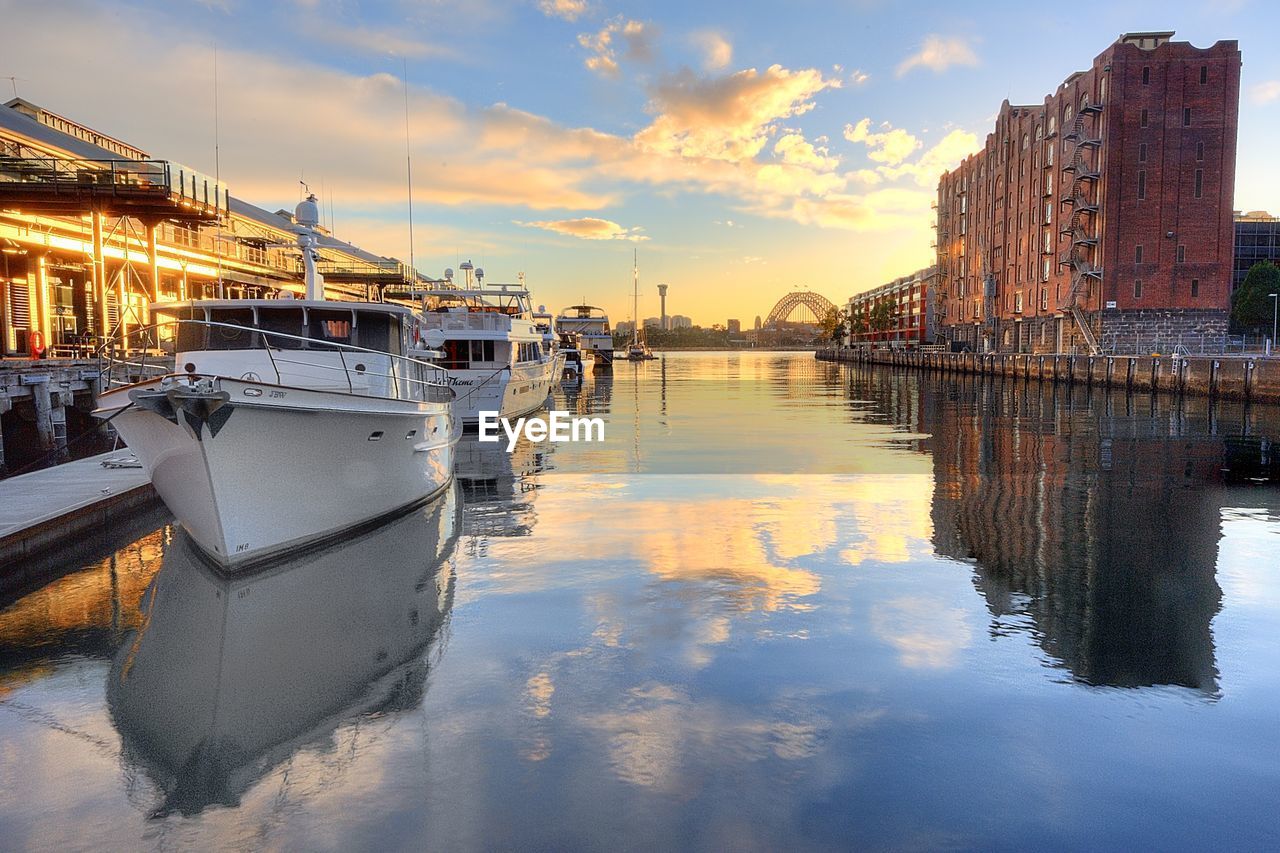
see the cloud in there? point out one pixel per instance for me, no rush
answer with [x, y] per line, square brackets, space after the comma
[636, 38]
[939, 53]
[716, 49]
[728, 118]
[795, 150]
[1265, 92]
[950, 150]
[374, 41]
[891, 146]
[859, 77]
[569, 10]
[589, 228]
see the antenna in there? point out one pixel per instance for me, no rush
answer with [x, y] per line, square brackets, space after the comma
[408, 159]
[217, 171]
[13, 81]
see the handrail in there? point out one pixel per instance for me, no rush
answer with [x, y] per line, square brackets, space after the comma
[437, 376]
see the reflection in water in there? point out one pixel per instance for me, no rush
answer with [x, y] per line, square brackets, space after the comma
[785, 605]
[1094, 528]
[227, 677]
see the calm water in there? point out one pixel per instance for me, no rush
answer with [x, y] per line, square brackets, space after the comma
[785, 605]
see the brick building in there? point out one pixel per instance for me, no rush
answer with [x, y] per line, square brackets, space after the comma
[1104, 212]
[911, 318]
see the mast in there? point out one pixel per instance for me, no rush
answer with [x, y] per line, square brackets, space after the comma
[635, 297]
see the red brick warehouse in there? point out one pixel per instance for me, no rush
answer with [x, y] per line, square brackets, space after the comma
[1103, 216]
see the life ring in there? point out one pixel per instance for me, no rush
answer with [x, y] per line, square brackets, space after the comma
[35, 345]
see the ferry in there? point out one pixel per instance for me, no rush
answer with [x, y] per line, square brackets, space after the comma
[591, 325]
[497, 358]
[286, 420]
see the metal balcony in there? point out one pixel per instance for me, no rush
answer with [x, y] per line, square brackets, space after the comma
[146, 189]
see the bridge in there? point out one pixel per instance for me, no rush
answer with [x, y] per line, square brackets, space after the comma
[801, 306]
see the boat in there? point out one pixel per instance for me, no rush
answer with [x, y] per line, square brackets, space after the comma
[497, 357]
[562, 347]
[638, 349]
[591, 326]
[286, 420]
[232, 676]
[570, 349]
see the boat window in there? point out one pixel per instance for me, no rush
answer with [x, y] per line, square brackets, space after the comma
[328, 327]
[286, 321]
[482, 350]
[374, 330]
[457, 355]
[221, 337]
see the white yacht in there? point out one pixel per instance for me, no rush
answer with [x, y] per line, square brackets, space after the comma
[591, 325]
[497, 358]
[285, 420]
[551, 341]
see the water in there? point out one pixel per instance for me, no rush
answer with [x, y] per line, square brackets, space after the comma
[785, 605]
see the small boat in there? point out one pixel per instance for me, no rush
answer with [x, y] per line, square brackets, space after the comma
[497, 357]
[286, 420]
[591, 326]
[638, 350]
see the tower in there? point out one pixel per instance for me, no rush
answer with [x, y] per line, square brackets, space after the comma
[662, 296]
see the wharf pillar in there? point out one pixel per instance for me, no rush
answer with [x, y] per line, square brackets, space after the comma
[100, 277]
[51, 416]
[154, 257]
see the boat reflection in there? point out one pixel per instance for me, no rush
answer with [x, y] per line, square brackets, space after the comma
[1091, 525]
[227, 677]
[499, 488]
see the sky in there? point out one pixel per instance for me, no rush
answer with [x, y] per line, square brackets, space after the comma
[741, 150]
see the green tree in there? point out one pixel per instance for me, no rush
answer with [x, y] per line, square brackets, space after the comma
[884, 315]
[1251, 305]
[831, 324]
[858, 321]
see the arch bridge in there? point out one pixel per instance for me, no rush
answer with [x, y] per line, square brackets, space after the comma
[812, 307]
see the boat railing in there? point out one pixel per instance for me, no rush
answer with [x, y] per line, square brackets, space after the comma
[463, 321]
[146, 351]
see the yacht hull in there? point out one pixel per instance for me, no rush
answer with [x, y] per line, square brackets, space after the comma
[272, 468]
[512, 393]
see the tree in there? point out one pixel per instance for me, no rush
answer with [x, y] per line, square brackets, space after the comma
[884, 314]
[858, 321]
[831, 324]
[1251, 305]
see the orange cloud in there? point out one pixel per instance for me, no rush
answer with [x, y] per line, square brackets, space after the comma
[589, 228]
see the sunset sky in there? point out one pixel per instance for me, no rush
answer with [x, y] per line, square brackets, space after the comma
[745, 149]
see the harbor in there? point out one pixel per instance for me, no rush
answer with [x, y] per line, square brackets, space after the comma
[823, 631]
[683, 441]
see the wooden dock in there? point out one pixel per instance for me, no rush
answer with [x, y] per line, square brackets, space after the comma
[53, 508]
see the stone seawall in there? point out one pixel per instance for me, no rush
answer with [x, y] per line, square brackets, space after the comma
[1241, 378]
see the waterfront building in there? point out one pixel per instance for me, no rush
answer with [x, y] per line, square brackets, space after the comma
[1103, 212]
[1257, 240]
[734, 327]
[680, 321]
[624, 327]
[94, 229]
[652, 323]
[908, 317]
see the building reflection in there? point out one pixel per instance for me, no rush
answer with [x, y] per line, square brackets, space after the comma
[84, 613]
[227, 677]
[1092, 524]
[498, 488]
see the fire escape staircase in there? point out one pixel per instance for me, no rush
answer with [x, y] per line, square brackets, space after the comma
[1081, 225]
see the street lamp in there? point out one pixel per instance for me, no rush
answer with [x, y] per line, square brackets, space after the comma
[1275, 314]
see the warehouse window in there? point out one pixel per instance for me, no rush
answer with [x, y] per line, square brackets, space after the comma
[1182, 253]
[1195, 287]
[1199, 150]
[1186, 116]
[1142, 152]
[1142, 184]
[1137, 254]
[1146, 74]
[1204, 74]
[1199, 183]
[1143, 118]
[1137, 288]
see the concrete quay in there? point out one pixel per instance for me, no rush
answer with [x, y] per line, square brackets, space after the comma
[1251, 378]
[63, 506]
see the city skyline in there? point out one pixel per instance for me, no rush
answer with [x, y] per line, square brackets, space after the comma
[552, 138]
